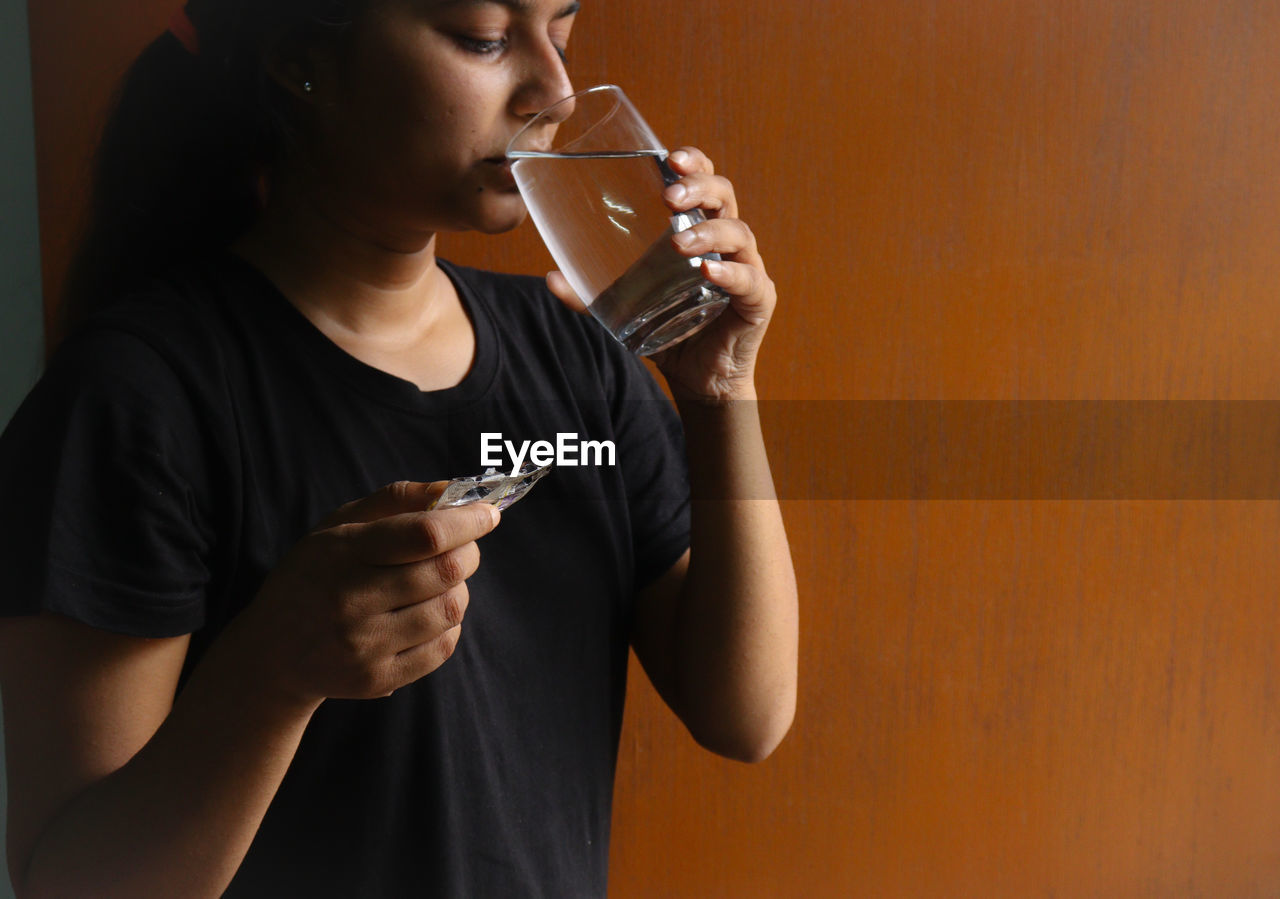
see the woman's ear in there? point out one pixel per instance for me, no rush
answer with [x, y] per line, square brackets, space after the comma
[298, 67]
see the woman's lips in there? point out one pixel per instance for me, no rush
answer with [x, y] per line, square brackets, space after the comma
[503, 166]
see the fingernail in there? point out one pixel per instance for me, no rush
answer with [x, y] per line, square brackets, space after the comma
[685, 239]
[494, 513]
[714, 269]
[677, 193]
[680, 158]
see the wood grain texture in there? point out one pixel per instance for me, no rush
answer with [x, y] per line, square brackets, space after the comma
[1041, 200]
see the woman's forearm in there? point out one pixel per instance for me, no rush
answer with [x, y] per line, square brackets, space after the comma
[178, 818]
[738, 619]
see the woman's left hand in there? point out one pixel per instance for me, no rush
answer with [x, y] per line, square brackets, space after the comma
[716, 365]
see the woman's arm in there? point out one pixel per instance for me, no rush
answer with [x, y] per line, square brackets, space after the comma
[718, 633]
[118, 789]
[113, 788]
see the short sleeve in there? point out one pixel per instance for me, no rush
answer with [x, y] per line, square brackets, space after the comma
[102, 518]
[651, 452]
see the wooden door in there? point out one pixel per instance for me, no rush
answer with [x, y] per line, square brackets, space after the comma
[1008, 688]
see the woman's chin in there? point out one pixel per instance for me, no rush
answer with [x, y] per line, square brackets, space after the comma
[501, 218]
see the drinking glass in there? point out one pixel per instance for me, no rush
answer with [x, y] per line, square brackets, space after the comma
[595, 195]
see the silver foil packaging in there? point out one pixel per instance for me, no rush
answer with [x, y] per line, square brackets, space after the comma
[501, 489]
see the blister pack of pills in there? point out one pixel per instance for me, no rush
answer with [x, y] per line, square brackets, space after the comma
[497, 488]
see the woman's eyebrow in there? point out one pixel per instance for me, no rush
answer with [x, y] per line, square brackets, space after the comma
[521, 6]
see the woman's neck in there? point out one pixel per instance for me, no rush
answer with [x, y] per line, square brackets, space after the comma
[336, 265]
[379, 296]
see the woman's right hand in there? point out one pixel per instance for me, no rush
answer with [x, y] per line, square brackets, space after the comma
[370, 601]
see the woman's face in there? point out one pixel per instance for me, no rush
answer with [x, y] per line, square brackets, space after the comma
[423, 102]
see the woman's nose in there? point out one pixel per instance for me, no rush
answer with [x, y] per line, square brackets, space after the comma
[546, 82]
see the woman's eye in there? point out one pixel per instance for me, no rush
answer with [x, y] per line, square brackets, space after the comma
[487, 47]
[480, 46]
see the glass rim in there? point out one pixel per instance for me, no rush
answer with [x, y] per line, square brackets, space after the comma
[620, 100]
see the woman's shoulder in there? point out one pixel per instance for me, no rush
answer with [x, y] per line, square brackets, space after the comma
[182, 301]
[159, 345]
[185, 315]
[537, 326]
[504, 294]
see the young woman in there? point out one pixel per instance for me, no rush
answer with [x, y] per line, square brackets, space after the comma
[213, 682]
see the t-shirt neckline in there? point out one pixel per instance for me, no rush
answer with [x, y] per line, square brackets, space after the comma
[374, 383]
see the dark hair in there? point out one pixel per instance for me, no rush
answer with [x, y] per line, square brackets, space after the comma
[183, 158]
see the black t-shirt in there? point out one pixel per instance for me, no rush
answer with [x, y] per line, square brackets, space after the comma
[181, 443]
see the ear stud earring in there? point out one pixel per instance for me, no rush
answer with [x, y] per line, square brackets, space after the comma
[308, 87]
